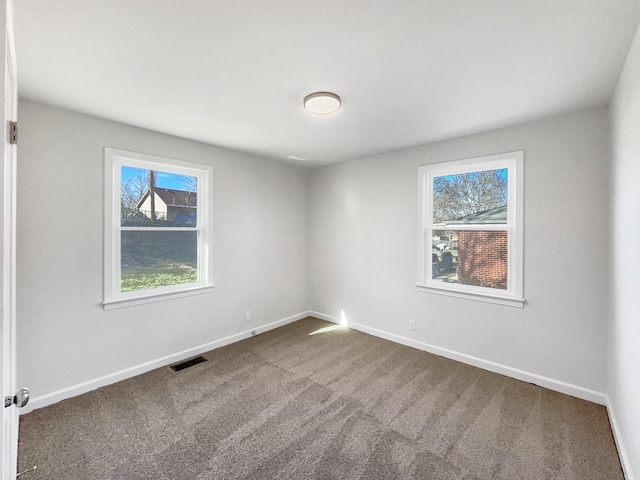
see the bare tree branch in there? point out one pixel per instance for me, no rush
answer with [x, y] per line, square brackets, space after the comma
[456, 196]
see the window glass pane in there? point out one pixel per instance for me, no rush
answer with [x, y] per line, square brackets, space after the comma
[470, 257]
[475, 197]
[155, 198]
[156, 259]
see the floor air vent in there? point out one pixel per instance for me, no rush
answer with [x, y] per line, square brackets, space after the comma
[189, 363]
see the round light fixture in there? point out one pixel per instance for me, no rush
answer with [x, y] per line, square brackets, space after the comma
[322, 103]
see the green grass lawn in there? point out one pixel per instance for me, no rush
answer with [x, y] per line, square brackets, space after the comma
[158, 259]
[141, 278]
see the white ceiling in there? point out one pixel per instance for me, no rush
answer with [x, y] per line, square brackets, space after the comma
[233, 73]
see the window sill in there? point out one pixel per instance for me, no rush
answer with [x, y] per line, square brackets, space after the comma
[510, 302]
[156, 297]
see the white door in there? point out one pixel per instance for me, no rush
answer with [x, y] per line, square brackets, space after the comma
[9, 438]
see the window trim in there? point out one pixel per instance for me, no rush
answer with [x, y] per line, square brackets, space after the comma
[114, 160]
[514, 162]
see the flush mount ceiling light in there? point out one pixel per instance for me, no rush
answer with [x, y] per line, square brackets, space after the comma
[322, 103]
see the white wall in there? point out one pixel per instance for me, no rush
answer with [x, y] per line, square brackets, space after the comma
[624, 333]
[363, 255]
[64, 336]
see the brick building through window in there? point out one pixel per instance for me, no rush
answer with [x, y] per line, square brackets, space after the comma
[482, 258]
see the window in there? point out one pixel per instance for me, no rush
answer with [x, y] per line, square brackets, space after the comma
[470, 238]
[158, 221]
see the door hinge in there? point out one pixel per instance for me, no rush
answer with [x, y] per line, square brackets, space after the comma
[13, 133]
[8, 401]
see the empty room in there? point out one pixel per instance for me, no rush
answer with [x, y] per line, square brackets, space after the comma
[321, 240]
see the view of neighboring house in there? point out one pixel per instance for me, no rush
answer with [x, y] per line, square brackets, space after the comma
[170, 204]
[481, 256]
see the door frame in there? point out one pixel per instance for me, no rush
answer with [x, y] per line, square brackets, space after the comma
[9, 438]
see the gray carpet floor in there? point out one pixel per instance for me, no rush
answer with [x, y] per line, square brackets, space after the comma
[312, 400]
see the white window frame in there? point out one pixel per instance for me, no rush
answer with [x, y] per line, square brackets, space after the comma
[514, 294]
[114, 161]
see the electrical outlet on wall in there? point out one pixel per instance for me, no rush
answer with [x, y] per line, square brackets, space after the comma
[412, 324]
[247, 316]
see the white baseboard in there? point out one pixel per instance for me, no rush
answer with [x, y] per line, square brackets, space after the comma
[550, 383]
[325, 317]
[622, 452]
[74, 390]
[84, 387]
